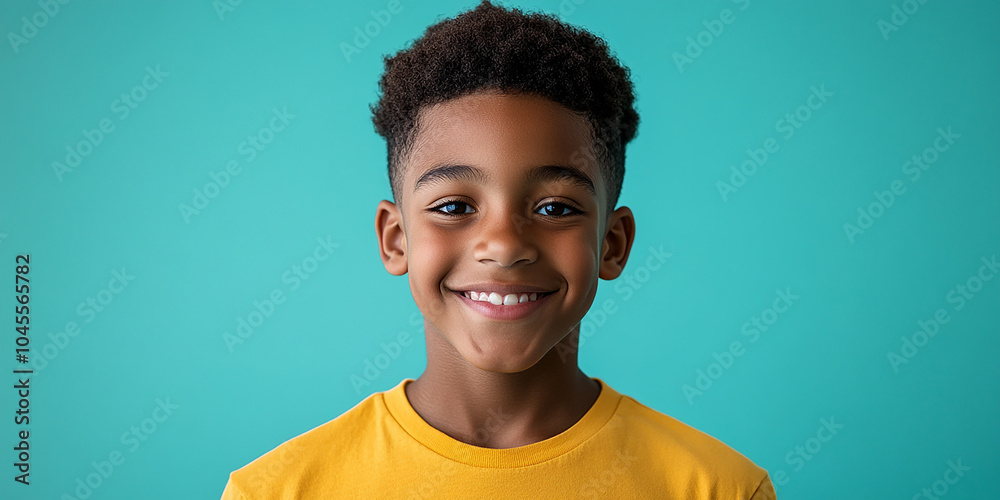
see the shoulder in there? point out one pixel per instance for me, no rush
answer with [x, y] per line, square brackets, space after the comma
[692, 454]
[693, 442]
[277, 473]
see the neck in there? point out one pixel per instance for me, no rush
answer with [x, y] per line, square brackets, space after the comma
[501, 410]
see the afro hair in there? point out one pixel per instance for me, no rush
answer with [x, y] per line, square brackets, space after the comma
[491, 48]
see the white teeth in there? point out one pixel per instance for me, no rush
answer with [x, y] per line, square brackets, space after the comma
[505, 300]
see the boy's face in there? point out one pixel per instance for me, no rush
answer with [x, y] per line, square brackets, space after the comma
[500, 195]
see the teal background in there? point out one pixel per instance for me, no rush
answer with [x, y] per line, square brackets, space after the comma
[827, 356]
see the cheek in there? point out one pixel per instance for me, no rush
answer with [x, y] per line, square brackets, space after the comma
[575, 256]
[430, 256]
[587, 273]
[582, 246]
[590, 260]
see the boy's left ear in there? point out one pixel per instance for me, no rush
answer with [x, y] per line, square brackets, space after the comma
[618, 239]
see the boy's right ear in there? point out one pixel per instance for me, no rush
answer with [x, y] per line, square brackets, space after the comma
[391, 237]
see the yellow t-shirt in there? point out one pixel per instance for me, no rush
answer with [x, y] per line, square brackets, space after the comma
[619, 449]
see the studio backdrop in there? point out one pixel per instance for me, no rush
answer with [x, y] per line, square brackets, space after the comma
[187, 202]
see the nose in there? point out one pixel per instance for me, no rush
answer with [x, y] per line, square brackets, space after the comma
[505, 238]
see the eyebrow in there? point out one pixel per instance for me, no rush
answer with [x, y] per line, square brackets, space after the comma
[450, 172]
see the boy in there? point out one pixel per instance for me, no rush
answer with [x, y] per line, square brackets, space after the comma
[506, 138]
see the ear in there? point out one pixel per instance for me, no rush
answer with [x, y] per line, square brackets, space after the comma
[618, 238]
[391, 237]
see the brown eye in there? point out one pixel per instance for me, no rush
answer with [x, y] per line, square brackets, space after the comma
[557, 210]
[453, 208]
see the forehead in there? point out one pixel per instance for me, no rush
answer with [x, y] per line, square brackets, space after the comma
[504, 132]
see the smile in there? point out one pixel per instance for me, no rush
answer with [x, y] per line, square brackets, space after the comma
[506, 307]
[505, 300]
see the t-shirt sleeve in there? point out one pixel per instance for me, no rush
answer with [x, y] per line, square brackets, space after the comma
[765, 490]
[233, 493]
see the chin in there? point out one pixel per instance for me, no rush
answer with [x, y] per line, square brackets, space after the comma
[499, 359]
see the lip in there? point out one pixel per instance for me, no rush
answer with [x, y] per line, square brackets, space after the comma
[502, 289]
[503, 313]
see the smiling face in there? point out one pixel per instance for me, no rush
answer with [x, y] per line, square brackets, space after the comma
[499, 197]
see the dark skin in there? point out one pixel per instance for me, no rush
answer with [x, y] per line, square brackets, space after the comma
[488, 382]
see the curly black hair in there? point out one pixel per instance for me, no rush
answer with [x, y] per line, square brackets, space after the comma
[491, 48]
